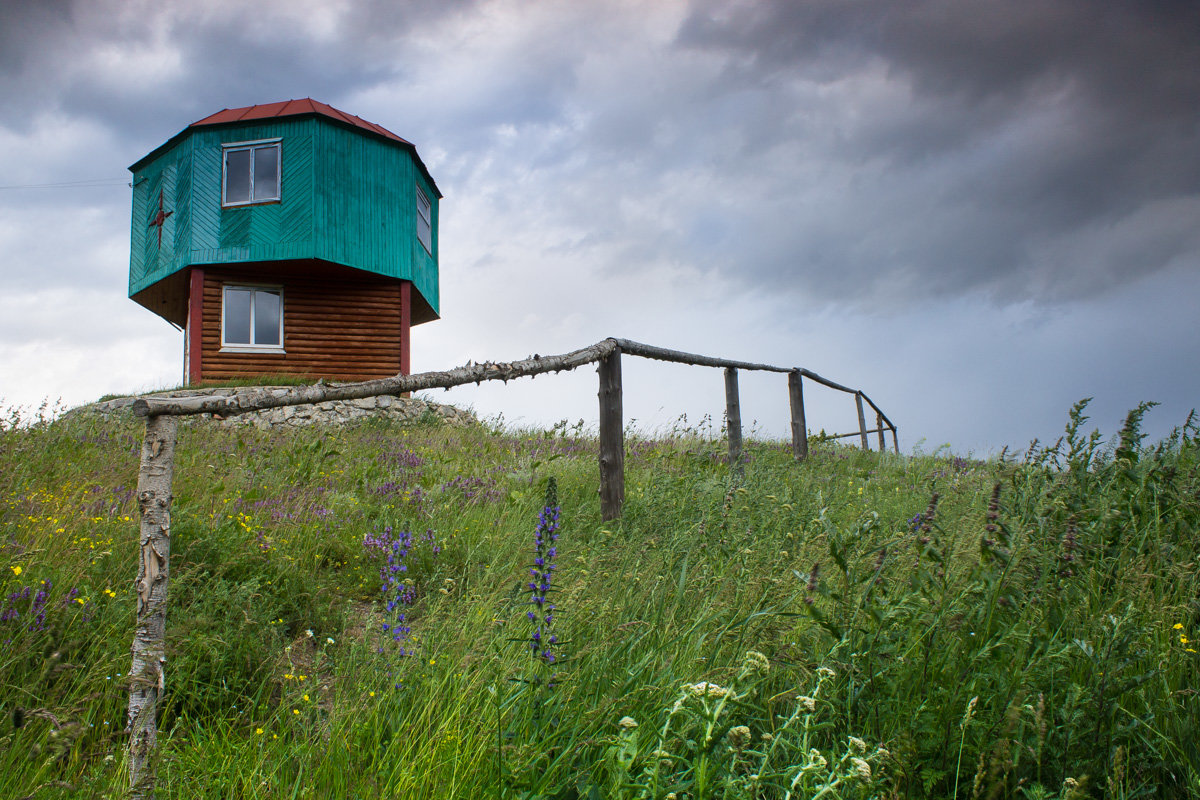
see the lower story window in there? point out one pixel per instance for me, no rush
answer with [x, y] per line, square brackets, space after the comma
[252, 316]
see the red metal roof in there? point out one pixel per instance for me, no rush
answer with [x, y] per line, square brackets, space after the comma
[291, 108]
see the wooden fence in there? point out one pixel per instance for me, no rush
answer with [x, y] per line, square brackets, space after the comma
[146, 675]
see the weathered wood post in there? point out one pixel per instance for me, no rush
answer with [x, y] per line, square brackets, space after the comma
[862, 421]
[612, 438]
[895, 441]
[733, 419]
[799, 426]
[146, 677]
[879, 428]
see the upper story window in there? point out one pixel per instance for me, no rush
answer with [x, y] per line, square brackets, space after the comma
[251, 173]
[424, 221]
[252, 317]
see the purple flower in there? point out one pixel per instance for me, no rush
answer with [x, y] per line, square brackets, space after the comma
[541, 616]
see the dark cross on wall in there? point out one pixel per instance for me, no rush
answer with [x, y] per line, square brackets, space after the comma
[160, 217]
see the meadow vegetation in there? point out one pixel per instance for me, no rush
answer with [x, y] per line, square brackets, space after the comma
[376, 611]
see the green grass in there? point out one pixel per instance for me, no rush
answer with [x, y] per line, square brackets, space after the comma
[1046, 656]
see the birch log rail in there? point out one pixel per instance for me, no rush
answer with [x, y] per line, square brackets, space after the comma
[155, 477]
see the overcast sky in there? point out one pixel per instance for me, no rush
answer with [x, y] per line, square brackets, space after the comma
[976, 212]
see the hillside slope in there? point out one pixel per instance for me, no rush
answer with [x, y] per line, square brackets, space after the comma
[352, 616]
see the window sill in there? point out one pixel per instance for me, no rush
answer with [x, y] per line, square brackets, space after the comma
[251, 349]
[274, 202]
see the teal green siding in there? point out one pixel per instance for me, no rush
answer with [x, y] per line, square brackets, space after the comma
[345, 196]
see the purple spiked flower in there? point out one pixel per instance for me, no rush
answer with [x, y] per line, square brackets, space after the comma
[541, 615]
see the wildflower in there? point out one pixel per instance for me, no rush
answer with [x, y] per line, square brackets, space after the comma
[861, 768]
[17, 570]
[372, 694]
[258, 731]
[816, 759]
[295, 711]
[809, 703]
[397, 592]
[329, 640]
[308, 633]
[1178, 626]
[825, 672]
[541, 613]
[627, 723]
[739, 737]
[858, 744]
[756, 662]
[1183, 639]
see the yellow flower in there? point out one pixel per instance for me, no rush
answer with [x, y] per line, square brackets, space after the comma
[1183, 639]
[295, 711]
[17, 571]
[1178, 626]
[372, 694]
[306, 698]
[258, 731]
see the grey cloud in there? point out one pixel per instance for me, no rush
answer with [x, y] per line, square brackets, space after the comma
[1031, 122]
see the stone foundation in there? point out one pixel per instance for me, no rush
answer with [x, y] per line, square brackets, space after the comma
[330, 412]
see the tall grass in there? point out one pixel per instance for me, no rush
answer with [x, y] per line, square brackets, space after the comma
[862, 624]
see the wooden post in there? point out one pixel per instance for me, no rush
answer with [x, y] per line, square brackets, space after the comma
[146, 674]
[733, 419]
[879, 426]
[612, 438]
[895, 441]
[799, 426]
[862, 421]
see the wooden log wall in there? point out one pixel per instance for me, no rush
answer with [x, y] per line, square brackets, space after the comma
[342, 328]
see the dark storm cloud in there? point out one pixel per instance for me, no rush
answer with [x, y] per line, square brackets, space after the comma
[136, 69]
[1005, 132]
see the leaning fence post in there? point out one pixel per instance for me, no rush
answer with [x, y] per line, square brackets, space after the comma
[862, 421]
[733, 419]
[879, 428]
[612, 438]
[146, 678]
[799, 426]
[895, 441]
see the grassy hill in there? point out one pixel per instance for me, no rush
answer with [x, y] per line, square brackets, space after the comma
[351, 616]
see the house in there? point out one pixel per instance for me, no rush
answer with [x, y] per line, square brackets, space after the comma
[287, 238]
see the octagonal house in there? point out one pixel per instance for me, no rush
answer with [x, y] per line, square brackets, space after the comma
[286, 239]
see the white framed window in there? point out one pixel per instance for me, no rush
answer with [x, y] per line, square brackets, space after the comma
[250, 173]
[252, 318]
[424, 221]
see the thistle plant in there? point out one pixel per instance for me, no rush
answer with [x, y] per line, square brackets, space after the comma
[708, 746]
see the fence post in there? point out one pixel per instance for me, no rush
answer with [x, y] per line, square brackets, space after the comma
[879, 426]
[862, 421]
[733, 419]
[612, 438]
[799, 426]
[146, 679]
[895, 441]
